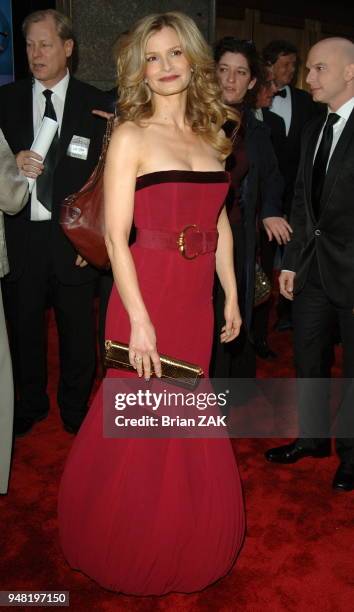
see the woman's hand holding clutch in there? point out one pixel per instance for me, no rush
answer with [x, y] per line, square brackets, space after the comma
[142, 349]
[233, 321]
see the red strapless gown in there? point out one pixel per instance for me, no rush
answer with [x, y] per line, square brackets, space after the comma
[151, 516]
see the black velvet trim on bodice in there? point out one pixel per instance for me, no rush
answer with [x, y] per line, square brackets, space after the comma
[181, 176]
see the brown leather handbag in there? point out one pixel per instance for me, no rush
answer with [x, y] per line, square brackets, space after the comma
[82, 213]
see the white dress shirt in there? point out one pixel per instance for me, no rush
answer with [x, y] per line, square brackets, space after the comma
[283, 107]
[38, 211]
[344, 112]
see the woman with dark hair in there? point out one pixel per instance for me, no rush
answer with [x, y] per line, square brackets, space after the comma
[139, 515]
[257, 187]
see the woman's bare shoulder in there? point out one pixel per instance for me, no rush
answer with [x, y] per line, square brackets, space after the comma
[127, 133]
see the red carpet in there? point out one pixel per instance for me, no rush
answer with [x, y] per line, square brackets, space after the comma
[298, 553]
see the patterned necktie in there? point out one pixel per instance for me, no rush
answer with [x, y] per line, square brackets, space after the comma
[45, 180]
[321, 162]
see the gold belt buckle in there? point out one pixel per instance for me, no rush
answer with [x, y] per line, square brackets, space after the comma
[181, 241]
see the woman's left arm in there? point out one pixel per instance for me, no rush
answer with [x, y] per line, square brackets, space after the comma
[226, 273]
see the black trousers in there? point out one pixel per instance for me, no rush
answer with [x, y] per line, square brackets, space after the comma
[284, 306]
[25, 306]
[314, 316]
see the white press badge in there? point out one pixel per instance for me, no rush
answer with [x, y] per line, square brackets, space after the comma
[78, 147]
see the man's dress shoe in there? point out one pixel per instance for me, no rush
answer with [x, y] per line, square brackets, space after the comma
[344, 478]
[22, 425]
[263, 349]
[291, 453]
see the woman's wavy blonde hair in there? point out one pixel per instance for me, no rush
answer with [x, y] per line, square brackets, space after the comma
[205, 111]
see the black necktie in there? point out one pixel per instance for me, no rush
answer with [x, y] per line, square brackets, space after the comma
[45, 180]
[281, 93]
[321, 161]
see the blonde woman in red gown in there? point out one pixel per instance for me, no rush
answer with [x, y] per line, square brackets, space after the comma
[153, 516]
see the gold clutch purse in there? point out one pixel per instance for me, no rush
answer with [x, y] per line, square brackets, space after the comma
[174, 370]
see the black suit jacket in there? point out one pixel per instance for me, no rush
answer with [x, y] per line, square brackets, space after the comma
[261, 192]
[303, 109]
[276, 125]
[16, 121]
[331, 236]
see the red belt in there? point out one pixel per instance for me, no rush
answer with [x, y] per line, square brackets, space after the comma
[190, 242]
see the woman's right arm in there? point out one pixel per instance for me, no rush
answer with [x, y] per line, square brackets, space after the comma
[122, 164]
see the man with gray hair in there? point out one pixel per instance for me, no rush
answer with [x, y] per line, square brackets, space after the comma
[43, 263]
[318, 264]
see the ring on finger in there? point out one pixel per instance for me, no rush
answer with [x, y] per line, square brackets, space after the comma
[138, 359]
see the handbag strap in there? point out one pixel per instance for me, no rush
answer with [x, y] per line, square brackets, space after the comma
[106, 140]
[98, 171]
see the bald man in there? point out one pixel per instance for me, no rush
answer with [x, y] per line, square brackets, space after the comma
[318, 272]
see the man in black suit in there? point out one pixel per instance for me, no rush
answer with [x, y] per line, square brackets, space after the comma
[296, 108]
[43, 262]
[318, 265]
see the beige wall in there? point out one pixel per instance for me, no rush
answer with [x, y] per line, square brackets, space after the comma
[98, 23]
